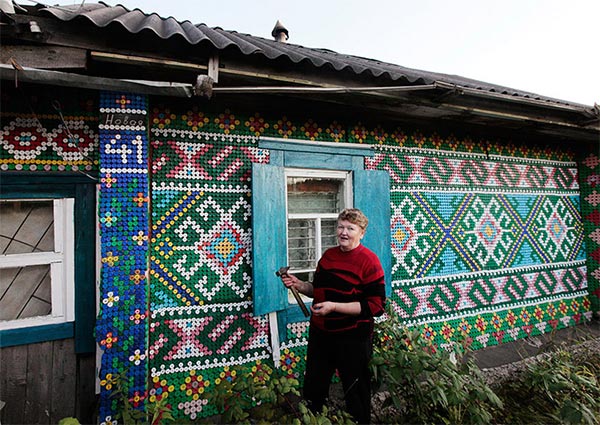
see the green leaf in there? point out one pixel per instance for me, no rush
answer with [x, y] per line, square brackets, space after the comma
[68, 421]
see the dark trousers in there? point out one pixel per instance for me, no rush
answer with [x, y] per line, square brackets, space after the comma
[350, 357]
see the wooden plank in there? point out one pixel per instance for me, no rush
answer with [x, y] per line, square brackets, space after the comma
[372, 196]
[85, 389]
[85, 268]
[13, 384]
[39, 373]
[269, 238]
[45, 57]
[63, 381]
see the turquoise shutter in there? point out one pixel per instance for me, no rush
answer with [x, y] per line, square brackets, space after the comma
[372, 197]
[268, 238]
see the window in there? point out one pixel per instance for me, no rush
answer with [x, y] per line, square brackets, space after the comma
[295, 202]
[36, 262]
[47, 259]
[314, 199]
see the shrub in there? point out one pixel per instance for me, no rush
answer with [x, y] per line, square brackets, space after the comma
[557, 389]
[128, 414]
[263, 395]
[427, 384]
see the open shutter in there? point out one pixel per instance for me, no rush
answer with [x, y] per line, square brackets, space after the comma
[268, 238]
[372, 197]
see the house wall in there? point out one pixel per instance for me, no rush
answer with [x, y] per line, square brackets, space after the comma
[122, 325]
[487, 236]
[589, 177]
[48, 132]
[487, 240]
[44, 382]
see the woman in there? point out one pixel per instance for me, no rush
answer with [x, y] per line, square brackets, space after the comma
[348, 292]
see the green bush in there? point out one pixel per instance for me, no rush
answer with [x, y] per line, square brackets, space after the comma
[426, 384]
[263, 395]
[127, 414]
[557, 389]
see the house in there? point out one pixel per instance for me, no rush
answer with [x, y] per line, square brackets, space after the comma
[155, 174]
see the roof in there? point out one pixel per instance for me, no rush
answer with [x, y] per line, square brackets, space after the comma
[135, 21]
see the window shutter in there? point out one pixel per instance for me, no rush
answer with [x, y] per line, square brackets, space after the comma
[372, 197]
[268, 238]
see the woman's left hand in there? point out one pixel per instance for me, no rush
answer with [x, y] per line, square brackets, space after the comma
[323, 309]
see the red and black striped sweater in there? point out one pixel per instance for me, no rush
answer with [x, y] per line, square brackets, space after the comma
[345, 277]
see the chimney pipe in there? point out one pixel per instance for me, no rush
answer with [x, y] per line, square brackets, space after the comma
[280, 33]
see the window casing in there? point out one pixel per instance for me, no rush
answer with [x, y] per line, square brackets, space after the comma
[65, 252]
[313, 200]
[364, 189]
[36, 262]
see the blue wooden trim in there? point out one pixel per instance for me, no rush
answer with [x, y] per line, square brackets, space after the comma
[85, 266]
[292, 314]
[39, 177]
[276, 158]
[31, 335]
[316, 147]
[83, 190]
[319, 161]
[269, 238]
[372, 197]
[33, 190]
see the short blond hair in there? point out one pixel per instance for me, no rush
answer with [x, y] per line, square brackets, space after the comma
[354, 216]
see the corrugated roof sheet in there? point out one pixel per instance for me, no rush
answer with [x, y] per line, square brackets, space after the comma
[134, 21]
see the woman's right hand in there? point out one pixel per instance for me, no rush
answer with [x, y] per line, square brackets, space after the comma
[291, 281]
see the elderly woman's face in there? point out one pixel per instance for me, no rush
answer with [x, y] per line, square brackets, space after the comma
[349, 235]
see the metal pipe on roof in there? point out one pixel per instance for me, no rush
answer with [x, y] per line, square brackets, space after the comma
[33, 75]
[120, 58]
[170, 64]
[507, 116]
[511, 98]
[294, 89]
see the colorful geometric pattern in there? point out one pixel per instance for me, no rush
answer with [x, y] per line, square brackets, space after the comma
[590, 211]
[442, 233]
[121, 328]
[488, 236]
[201, 245]
[475, 238]
[455, 170]
[293, 350]
[487, 240]
[41, 133]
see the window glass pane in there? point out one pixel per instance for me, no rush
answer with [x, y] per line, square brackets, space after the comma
[301, 244]
[26, 292]
[314, 195]
[26, 226]
[328, 234]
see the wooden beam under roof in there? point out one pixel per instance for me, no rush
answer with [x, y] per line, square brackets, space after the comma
[44, 57]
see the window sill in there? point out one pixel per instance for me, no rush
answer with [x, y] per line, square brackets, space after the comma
[21, 336]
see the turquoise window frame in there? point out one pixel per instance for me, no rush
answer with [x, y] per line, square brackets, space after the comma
[371, 193]
[83, 190]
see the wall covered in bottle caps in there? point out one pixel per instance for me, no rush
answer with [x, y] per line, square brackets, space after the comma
[493, 240]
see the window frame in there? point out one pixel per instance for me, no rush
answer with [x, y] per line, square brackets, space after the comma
[81, 188]
[61, 262]
[269, 217]
[345, 176]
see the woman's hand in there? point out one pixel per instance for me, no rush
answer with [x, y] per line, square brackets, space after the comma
[324, 308]
[327, 307]
[291, 281]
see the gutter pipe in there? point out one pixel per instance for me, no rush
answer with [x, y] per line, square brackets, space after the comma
[41, 76]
